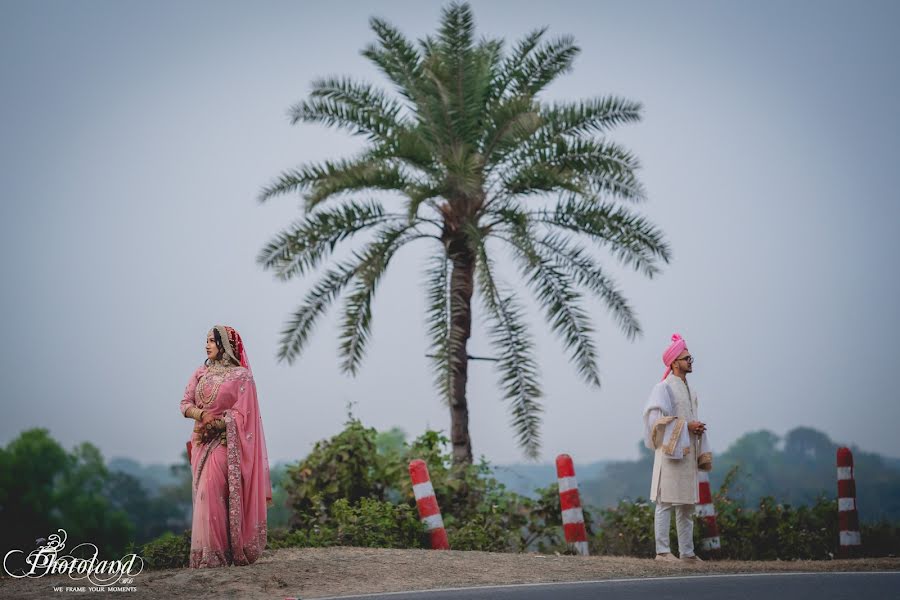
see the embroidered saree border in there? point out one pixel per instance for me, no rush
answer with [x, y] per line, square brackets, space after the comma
[208, 450]
[233, 450]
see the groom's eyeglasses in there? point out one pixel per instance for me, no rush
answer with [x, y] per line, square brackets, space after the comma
[688, 358]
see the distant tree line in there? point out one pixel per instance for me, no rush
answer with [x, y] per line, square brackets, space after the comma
[44, 488]
[797, 470]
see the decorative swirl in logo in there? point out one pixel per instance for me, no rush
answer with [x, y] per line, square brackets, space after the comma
[45, 559]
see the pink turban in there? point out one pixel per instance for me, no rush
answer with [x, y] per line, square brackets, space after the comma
[675, 348]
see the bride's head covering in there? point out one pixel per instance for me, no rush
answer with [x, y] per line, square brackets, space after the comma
[232, 345]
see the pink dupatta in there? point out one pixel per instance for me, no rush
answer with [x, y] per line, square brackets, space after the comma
[249, 486]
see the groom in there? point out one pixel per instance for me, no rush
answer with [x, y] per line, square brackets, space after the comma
[673, 431]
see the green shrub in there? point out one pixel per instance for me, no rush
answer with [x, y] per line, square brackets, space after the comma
[347, 466]
[627, 530]
[316, 536]
[880, 539]
[168, 551]
[369, 523]
[375, 524]
[354, 489]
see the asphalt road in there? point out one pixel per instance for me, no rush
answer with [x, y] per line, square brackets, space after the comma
[789, 586]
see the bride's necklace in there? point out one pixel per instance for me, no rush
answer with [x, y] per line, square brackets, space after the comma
[216, 368]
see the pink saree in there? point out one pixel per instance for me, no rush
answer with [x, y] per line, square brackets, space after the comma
[231, 485]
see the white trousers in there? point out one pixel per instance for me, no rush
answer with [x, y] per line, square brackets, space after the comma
[684, 523]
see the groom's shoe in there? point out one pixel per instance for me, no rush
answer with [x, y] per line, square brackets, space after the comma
[692, 559]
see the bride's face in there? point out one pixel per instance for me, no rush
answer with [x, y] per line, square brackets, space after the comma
[212, 351]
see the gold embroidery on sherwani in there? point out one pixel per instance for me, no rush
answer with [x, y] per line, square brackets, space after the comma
[675, 481]
[659, 428]
[673, 439]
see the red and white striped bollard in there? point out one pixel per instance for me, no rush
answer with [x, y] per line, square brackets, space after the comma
[706, 510]
[570, 504]
[426, 502]
[848, 517]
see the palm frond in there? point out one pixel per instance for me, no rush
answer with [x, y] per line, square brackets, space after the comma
[303, 245]
[507, 71]
[358, 107]
[632, 239]
[397, 58]
[561, 302]
[512, 122]
[375, 175]
[514, 346]
[578, 263]
[409, 146]
[371, 265]
[544, 64]
[329, 178]
[456, 34]
[597, 115]
[539, 178]
[298, 329]
[438, 318]
[583, 166]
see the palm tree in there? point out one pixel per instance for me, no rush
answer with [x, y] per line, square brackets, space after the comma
[478, 161]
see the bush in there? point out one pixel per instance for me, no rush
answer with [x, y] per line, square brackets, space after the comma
[354, 489]
[369, 523]
[881, 539]
[315, 537]
[347, 466]
[375, 524]
[627, 530]
[774, 531]
[168, 551]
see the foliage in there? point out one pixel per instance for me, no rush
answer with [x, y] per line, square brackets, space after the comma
[770, 531]
[775, 530]
[626, 530]
[168, 551]
[38, 476]
[376, 524]
[316, 536]
[479, 512]
[368, 523]
[44, 488]
[479, 159]
[279, 514]
[796, 469]
[880, 539]
[347, 466]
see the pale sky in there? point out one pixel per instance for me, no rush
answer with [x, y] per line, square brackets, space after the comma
[134, 138]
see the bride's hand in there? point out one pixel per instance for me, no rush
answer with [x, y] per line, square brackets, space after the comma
[206, 427]
[207, 418]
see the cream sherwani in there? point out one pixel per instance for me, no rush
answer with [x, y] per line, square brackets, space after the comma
[672, 405]
[674, 487]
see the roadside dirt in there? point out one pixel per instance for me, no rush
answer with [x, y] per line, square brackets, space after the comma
[319, 572]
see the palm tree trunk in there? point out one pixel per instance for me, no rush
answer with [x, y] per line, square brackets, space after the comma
[461, 287]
